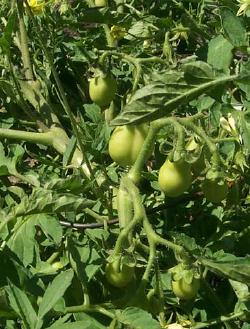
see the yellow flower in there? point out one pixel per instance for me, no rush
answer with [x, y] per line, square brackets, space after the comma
[244, 7]
[37, 6]
[117, 32]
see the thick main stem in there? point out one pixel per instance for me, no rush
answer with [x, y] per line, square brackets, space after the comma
[24, 44]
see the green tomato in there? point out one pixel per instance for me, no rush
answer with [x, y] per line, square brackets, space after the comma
[126, 142]
[174, 177]
[214, 192]
[119, 279]
[102, 90]
[101, 3]
[184, 290]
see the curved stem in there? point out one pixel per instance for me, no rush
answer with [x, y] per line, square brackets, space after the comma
[144, 154]
[151, 259]
[137, 62]
[148, 144]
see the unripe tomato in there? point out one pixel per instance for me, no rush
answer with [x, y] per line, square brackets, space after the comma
[214, 192]
[119, 279]
[174, 177]
[102, 89]
[184, 290]
[101, 3]
[126, 142]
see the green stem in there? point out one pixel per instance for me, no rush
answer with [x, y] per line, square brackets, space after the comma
[110, 41]
[144, 154]
[154, 237]
[148, 145]
[151, 259]
[53, 257]
[89, 309]
[221, 319]
[137, 62]
[99, 218]
[215, 159]
[139, 214]
[24, 43]
[128, 58]
[38, 138]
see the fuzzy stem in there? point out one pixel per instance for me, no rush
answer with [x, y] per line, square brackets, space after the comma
[24, 43]
[38, 138]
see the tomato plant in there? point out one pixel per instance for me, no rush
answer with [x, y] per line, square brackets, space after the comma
[126, 142]
[174, 177]
[124, 136]
[102, 89]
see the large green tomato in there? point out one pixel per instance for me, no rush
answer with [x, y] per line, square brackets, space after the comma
[101, 3]
[214, 192]
[184, 290]
[175, 177]
[102, 90]
[119, 279]
[126, 142]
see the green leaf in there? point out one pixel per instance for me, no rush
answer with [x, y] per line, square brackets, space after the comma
[70, 149]
[44, 201]
[85, 260]
[220, 45]
[89, 324]
[138, 319]
[70, 183]
[198, 72]
[8, 163]
[22, 306]
[50, 227]
[23, 242]
[158, 99]
[244, 124]
[54, 292]
[5, 40]
[233, 28]
[237, 269]
[240, 289]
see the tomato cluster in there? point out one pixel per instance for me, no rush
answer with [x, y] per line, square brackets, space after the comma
[174, 178]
